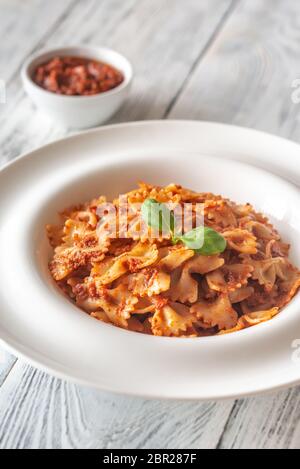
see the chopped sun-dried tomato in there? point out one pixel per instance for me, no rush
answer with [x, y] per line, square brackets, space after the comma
[77, 76]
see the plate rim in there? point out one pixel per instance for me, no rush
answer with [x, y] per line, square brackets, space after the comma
[63, 375]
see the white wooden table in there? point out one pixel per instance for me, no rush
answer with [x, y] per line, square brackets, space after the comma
[230, 61]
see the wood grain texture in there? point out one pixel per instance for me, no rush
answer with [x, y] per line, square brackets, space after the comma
[219, 60]
[22, 30]
[245, 78]
[246, 75]
[163, 48]
[7, 361]
[44, 412]
[271, 422]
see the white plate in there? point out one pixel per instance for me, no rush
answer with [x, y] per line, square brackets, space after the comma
[37, 323]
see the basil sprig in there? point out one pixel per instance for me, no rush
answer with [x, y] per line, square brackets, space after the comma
[202, 240]
[158, 216]
[211, 241]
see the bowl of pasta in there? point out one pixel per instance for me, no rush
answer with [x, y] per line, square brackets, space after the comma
[149, 272]
[169, 261]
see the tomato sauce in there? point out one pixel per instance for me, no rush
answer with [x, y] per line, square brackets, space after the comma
[77, 76]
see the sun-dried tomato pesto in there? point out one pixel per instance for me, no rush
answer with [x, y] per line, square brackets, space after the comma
[77, 76]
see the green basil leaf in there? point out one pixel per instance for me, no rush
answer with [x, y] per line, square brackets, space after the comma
[202, 240]
[205, 241]
[158, 216]
[193, 239]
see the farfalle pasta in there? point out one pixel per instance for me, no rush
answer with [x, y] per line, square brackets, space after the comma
[151, 281]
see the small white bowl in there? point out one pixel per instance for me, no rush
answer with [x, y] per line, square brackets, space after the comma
[78, 111]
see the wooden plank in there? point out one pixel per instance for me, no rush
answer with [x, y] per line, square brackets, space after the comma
[19, 37]
[23, 25]
[270, 422]
[63, 18]
[163, 47]
[7, 361]
[245, 78]
[45, 412]
[254, 90]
